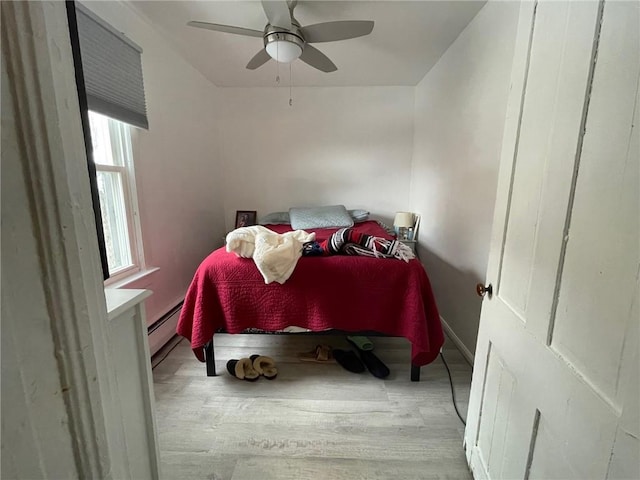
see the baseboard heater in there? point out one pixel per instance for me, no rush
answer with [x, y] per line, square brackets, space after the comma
[163, 329]
[158, 323]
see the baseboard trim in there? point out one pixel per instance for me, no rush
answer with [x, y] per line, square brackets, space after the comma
[158, 323]
[466, 353]
[161, 331]
[163, 351]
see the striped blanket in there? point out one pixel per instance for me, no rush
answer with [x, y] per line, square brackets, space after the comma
[348, 241]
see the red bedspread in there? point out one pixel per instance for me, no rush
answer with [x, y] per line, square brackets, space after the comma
[341, 292]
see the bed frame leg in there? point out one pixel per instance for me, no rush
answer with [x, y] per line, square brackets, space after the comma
[415, 373]
[210, 359]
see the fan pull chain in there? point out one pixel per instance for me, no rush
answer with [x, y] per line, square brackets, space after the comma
[290, 85]
[277, 65]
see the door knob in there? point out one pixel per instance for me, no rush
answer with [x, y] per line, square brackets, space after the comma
[484, 289]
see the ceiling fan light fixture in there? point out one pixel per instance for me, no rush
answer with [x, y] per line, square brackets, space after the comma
[285, 39]
[283, 51]
[283, 47]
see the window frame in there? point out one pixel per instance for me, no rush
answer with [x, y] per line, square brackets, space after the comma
[120, 140]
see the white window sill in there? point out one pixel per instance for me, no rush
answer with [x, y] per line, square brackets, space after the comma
[134, 277]
[119, 301]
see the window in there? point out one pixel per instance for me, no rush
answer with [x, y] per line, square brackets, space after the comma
[111, 140]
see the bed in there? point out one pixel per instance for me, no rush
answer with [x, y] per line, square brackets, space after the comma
[344, 293]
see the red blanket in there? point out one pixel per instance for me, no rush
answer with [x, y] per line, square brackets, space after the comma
[348, 293]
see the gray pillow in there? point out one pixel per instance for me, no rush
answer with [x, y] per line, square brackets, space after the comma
[275, 218]
[359, 215]
[320, 217]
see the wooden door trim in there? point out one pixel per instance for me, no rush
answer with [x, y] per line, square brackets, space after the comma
[37, 51]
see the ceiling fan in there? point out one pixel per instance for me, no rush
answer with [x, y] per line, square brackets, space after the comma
[285, 39]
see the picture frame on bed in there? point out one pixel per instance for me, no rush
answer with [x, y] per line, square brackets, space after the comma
[245, 218]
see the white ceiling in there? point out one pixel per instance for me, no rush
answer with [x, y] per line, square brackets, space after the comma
[408, 39]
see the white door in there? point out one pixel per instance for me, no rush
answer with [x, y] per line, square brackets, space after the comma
[555, 384]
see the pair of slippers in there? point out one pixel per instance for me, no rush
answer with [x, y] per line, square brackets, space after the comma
[251, 368]
[367, 361]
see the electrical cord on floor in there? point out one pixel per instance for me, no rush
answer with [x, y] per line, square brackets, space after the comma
[453, 392]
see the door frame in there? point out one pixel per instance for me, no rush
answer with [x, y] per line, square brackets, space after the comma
[36, 50]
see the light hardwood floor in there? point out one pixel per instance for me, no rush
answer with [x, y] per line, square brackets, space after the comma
[315, 421]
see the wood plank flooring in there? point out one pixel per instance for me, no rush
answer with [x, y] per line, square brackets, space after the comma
[315, 421]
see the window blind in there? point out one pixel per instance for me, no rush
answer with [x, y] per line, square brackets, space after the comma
[112, 67]
[84, 120]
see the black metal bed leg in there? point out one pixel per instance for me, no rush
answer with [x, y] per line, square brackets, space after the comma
[210, 359]
[415, 373]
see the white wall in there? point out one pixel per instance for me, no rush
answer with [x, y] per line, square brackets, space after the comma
[459, 117]
[350, 145]
[177, 162]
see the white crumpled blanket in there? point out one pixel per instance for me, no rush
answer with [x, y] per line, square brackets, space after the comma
[275, 254]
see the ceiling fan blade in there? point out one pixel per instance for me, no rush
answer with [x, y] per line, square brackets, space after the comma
[333, 31]
[314, 57]
[227, 29]
[258, 59]
[278, 13]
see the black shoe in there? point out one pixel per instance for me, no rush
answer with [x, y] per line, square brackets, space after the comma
[377, 368]
[374, 364]
[349, 360]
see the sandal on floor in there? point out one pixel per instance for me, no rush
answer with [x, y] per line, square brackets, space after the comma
[265, 366]
[320, 354]
[243, 369]
[349, 360]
